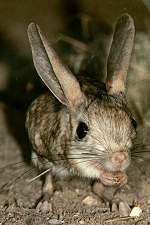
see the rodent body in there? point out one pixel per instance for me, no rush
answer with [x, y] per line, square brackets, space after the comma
[109, 125]
[84, 128]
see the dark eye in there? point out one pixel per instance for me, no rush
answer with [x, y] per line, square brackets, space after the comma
[134, 123]
[82, 130]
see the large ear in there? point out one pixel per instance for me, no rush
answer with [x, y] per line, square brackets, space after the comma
[120, 54]
[54, 74]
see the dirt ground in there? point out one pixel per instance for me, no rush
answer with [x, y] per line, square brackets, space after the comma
[18, 198]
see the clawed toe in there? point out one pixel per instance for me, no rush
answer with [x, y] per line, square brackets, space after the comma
[44, 206]
[108, 194]
[122, 207]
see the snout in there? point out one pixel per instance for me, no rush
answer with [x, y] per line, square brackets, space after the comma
[118, 158]
[119, 161]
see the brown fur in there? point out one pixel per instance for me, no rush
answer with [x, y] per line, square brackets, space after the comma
[53, 122]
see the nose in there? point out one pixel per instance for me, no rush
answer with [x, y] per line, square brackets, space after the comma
[118, 158]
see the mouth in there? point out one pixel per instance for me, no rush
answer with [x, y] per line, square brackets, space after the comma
[113, 178]
[110, 178]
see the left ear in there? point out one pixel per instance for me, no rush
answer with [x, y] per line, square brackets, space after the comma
[56, 76]
[120, 54]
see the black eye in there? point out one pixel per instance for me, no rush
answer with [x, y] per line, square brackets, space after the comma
[134, 123]
[82, 130]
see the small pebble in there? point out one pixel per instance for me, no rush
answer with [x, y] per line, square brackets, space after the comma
[81, 222]
[136, 212]
[76, 215]
[11, 208]
[89, 200]
[77, 191]
[55, 222]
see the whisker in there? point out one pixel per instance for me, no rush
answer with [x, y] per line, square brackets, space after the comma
[74, 164]
[38, 157]
[87, 156]
[12, 164]
[46, 171]
[41, 174]
[141, 145]
[83, 155]
[14, 181]
[138, 157]
[139, 152]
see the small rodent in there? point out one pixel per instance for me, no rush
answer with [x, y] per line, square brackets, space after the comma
[80, 128]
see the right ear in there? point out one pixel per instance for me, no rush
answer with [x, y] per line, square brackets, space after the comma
[120, 54]
[54, 74]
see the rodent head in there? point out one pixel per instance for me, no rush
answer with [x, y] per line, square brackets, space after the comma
[102, 136]
[100, 127]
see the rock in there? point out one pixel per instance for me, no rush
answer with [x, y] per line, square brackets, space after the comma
[90, 201]
[55, 222]
[136, 211]
[81, 222]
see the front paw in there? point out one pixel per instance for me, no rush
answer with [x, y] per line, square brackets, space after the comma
[44, 205]
[121, 200]
[106, 193]
[121, 207]
[111, 179]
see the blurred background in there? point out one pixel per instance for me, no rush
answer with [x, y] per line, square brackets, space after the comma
[80, 31]
[83, 20]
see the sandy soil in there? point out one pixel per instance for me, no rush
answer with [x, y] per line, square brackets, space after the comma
[18, 198]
